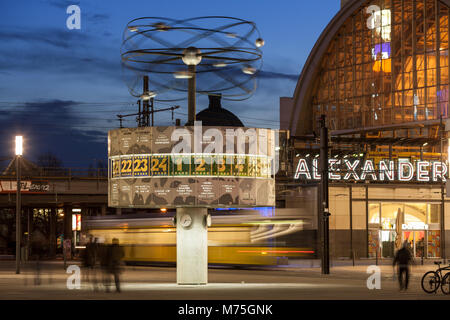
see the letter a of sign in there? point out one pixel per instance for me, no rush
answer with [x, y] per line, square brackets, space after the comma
[74, 20]
[302, 169]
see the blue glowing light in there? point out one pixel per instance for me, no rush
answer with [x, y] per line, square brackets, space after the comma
[382, 48]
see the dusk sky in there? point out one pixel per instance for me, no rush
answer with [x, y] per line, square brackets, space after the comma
[62, 89]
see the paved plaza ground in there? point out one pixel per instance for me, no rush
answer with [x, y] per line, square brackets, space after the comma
[296, 282]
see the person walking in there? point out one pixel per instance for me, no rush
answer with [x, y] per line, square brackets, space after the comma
[89, 261]
[95, 258]
[116, 254]
[38, 250]
[104, 254]
[403, 259]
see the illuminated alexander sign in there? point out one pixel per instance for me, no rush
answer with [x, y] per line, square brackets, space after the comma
[357, 170]
[163, 167]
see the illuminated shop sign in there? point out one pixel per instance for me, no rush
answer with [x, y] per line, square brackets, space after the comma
[76, 222]
[415, 226]
[380, 22]
[383, 50]
[358, 170]
[26, 186]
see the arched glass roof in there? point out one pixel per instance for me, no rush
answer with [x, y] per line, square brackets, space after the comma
[384, 63]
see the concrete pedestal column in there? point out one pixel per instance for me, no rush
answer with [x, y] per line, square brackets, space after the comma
[192, 246]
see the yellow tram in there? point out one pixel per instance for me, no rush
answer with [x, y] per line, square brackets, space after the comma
[232, 240]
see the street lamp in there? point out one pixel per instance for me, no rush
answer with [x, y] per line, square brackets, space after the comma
[324, 208]
[191, 57]
[19, 151]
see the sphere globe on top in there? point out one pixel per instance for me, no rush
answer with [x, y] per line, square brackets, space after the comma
[223, 53]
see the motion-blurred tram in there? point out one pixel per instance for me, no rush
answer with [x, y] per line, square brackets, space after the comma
[244, 239]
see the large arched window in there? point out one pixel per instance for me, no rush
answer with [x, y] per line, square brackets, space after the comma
[387, 64]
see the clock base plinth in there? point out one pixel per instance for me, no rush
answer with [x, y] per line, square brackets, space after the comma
[192, 247]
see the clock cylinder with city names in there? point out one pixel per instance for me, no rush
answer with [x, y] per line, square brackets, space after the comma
[155, 167]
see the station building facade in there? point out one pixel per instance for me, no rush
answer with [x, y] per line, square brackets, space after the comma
[379, 73]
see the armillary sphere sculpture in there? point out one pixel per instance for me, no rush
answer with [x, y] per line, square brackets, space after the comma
[203, 55]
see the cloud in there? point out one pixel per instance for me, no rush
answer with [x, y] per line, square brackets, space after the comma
[95, 18]
[52, 125]
[55, 37]
[62, 4]
[262, 74]
[60, 52]
[99, 17]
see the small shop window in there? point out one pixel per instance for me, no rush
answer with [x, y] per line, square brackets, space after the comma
[434, 244]
[434, 213]
[373, 243]
[374, 213]
[415, 213]
[389, 215]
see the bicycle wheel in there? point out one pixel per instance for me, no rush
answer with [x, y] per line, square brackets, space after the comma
[445, 284]
[431, 282]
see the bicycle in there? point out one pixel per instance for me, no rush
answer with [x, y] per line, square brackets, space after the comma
[445, 284]
[432, 280]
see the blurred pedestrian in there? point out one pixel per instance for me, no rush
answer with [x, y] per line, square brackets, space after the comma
[37, 255]
[115, 258]
[403, 259]
[89, 262]
[38, 250]
[95, 262]
[104, 255]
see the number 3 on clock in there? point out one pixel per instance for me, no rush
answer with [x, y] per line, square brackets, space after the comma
[140, 166]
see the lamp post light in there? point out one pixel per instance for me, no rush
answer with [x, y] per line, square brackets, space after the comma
[19, 151]
[324, 208]
[191, 57]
